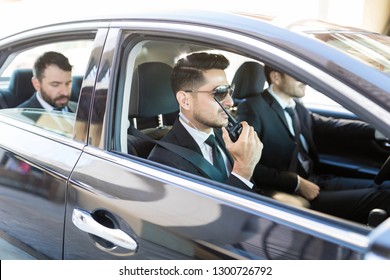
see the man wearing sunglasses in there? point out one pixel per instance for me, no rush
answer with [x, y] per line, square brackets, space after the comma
[198, 82]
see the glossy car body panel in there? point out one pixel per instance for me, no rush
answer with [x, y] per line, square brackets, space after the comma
[145, 207]
[33, 189]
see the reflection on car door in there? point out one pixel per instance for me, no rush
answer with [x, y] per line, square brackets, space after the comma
[33, 190]
[170, 217]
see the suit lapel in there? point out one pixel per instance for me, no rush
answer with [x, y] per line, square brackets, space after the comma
[183, 138]
[34, 102]
[275, 106]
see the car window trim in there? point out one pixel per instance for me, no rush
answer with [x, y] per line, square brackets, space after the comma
[330, 228]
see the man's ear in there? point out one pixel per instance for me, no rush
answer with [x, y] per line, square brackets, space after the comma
[36, 83]
[182, 98]
[274, 77]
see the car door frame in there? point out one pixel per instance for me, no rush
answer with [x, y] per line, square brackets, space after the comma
[38, 231]
[318, 226]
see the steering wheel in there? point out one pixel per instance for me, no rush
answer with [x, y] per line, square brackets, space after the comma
[383, 173]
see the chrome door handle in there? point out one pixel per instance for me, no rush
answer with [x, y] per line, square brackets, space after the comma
[85, 222]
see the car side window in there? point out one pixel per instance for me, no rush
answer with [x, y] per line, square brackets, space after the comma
[76, 51]
[317, 101]
[148, 102]
[16, 86]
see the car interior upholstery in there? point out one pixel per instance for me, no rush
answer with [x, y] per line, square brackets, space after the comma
[19, 89]
[76, 86]
[151, 103]
[249, 80]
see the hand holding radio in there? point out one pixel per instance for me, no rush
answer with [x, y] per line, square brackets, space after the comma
[247, 153]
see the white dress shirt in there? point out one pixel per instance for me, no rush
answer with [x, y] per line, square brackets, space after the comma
[200, 138]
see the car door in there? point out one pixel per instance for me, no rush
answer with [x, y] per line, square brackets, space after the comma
[35, 166]
[37, 157]
[122, 206]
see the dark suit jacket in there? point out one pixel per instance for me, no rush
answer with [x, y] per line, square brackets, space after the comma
[265, 114]
[32, 102]
[178, 135]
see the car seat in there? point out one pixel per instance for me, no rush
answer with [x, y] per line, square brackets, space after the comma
[20, 88]
[76, 87]
[249, 80]
[153, 106]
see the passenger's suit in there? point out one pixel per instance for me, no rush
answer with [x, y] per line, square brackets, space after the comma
[33, 102]
[178, 135]
[266, 116]
[279, 154]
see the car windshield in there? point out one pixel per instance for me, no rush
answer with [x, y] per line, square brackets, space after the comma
[371, 48]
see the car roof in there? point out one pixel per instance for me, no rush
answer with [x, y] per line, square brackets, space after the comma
[181, 15]
[287, 35]
[126, 11]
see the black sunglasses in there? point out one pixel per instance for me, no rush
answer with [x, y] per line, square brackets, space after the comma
[220, 92]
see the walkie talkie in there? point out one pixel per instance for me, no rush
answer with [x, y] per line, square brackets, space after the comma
[234, 128]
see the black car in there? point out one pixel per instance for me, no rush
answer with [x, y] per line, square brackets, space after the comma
[80, 186]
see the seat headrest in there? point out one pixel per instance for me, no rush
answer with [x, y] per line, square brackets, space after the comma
[151, 91]
[249, 80]
[76, 87]
[21, 86]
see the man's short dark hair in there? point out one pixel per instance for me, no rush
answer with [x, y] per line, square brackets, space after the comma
[188, 71]
[50, 58]
[267, 72]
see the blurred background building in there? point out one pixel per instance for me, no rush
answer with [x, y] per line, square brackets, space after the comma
[373, 15]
